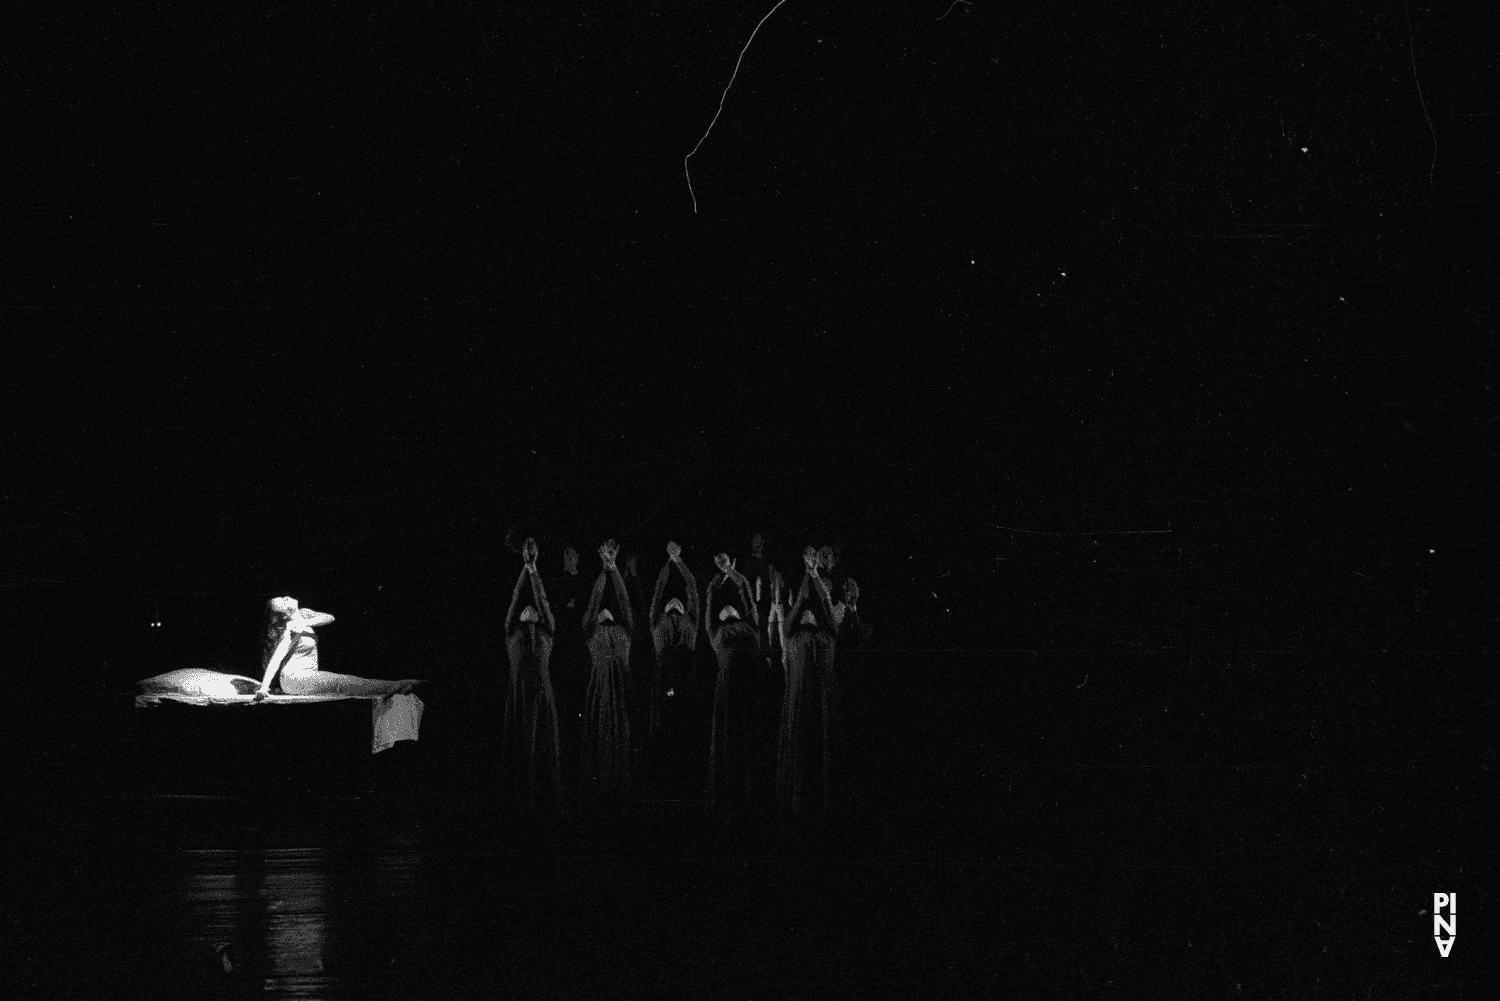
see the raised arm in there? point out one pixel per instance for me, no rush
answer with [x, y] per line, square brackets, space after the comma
[814, 592]
[774, 614]
[529, 553]
[626, 612]
[657, 594]
[729, 576]
[548, 623]
[632, 587]
[514, 613]
[709, 625]
[824, 602]
[794, 613]
[693, 605]
[595, 600]
[745, 599]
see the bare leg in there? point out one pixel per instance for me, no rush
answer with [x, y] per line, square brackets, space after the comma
[329, 683]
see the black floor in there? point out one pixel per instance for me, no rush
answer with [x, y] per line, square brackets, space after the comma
[379, 897]
[1078, 846]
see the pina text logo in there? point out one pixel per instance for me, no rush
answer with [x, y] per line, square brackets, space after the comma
[1445, 925]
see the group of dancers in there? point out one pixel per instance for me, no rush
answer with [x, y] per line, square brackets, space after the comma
[760, 727]
[765, 730]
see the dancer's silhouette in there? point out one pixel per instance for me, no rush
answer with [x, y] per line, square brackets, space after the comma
[533, 751]
[605, 746]
[811, 696]
[733, 626]
[677, 711]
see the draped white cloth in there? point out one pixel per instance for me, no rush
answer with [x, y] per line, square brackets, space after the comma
[396, 717]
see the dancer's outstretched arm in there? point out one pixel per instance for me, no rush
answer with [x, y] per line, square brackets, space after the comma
[814, 591]
[709, 626]
[659, 593]
[774, 628]
[691, 607]
[624, 598]
[692, 591]
[548, 623]
[590, 617]
[274, 664]
[633, 588]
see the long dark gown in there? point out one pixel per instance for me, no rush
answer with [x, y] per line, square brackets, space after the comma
[773, 638]
[759, 573]
[570, 662]
[642, 663]
[854, 717]
[733, 747]
[605, 746]
[679, 701]
[533, 753]
[806, 751]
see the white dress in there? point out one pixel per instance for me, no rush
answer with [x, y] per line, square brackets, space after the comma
[300, 675]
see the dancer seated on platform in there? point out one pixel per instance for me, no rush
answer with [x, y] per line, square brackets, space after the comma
[292, 653]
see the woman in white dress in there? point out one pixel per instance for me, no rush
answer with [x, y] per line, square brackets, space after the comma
[292, 654]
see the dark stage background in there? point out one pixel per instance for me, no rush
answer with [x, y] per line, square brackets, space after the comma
[1141, 363]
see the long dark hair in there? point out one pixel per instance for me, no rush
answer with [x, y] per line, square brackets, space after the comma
[277, 616]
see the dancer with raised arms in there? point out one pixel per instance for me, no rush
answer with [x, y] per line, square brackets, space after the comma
[605, 746]
[677, 692]
[811, 696]
[732, 622]
[533, 753]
